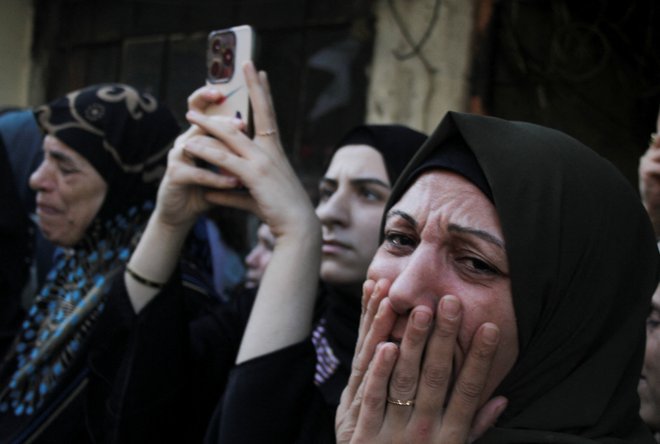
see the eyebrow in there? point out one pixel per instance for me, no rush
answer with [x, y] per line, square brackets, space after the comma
[357, 181]
[453, 228]
[479, 233]
[61, 157]
[402, 214]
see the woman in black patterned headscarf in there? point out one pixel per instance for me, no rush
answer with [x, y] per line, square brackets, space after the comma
[105, 150]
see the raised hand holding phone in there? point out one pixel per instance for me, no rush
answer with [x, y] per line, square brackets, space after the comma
[279, 199]
[187, 190]
[275, 193]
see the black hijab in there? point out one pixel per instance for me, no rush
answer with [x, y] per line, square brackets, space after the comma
[341, 307]
[338, 314]
[396, 143]
[583, 265]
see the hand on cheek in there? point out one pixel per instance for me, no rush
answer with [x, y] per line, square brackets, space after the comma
[410, 392]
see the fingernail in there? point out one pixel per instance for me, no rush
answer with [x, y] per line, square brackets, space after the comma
[390, 354]
[421, 319]
[500, 408]
[238, 115]
[491, 334]
[381, 306]
[450, 307]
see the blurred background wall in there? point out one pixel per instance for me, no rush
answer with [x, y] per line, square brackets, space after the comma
[16, 18]
[589, 68]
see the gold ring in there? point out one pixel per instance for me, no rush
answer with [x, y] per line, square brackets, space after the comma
[401, 402]
[654, 139]
[268, 132]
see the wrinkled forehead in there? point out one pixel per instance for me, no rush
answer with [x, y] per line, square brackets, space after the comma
[444, 197]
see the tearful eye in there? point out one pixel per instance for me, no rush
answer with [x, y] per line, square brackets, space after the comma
[476, 265]
[67, 171]
[400, 240]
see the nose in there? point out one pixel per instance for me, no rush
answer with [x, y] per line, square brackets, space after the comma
[421, 281]
[335, 210]
[42, 178]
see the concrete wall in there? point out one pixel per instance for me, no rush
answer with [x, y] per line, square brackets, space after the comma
[16, 38]
[418, 87]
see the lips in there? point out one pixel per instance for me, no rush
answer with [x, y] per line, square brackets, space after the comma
[47, 210]
[44, 208]
[333, 246]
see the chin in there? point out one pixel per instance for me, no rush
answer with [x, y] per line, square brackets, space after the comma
[333, 276]
[60, 241]
[50, 237]
[341, 273]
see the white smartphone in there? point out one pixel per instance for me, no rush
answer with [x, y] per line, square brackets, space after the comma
[226, 52]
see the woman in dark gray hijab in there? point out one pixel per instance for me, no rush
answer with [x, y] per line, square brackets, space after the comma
[569, 295]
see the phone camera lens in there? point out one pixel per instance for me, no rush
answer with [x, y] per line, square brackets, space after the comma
[216, 70]
[228, 56]
[216, 46]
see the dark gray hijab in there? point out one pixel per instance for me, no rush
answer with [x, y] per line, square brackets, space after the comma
[396, 143]
[584, 265]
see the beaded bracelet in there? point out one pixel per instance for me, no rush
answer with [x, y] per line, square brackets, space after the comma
[143, 280]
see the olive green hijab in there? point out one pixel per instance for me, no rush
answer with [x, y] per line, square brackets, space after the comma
[583, 264]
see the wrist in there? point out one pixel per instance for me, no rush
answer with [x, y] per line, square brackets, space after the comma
[172, 226]
[306, 231]
[158, 251]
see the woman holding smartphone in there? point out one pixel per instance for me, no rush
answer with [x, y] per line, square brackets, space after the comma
[333, 242]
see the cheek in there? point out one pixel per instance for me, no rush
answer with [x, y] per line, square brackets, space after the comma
[490, 307]
[84, 205]
[652, 355]
[383, 266]
[367, 223]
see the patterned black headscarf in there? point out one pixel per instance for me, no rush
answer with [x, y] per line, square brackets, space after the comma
[124, 133]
